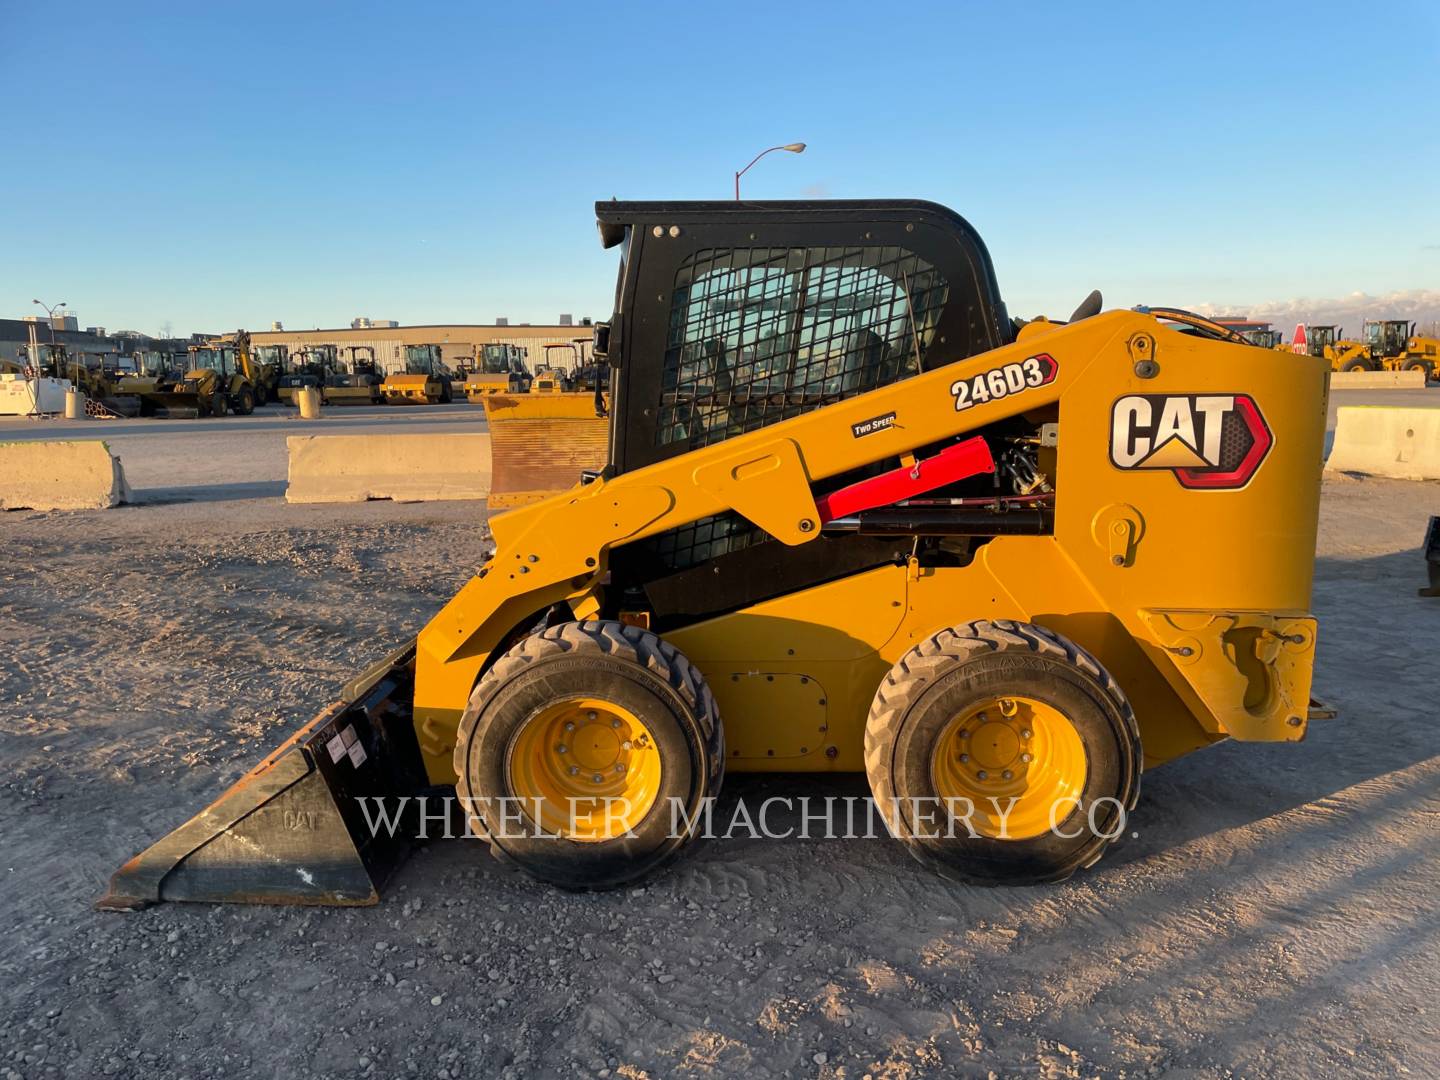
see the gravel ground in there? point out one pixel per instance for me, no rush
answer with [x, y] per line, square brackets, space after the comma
[1273, 916]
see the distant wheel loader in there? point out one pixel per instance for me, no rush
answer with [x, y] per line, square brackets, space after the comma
[1328, 342]
[854, 518]
[425, 380]
[1393, 346]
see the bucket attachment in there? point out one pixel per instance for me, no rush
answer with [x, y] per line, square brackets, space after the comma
[175, 404]
[293, 830]
[125, 405]
[541, 443]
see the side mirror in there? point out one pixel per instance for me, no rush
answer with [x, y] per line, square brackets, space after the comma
[601, 341]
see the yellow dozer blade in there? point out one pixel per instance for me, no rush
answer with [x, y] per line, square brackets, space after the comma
[325, 819]
[541, 443]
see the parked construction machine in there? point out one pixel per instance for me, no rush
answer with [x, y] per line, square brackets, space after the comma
[1393, 346]
[1265, 339]
[1328, 342]
[308, 368]
[219, 376]
[425, 380]
[356, 379]
[270, 362]
[500, 369]
[591, 374]
[553, 374]
[854, 518]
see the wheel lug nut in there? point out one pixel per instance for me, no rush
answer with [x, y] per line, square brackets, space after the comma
[562, 748]
[625, 745]
[1026, 758]
[1008, 775]
[983, 775]
[569, 725]
[964, 757]
[615, 723]
[620, 768]
[1025, 733]
[574, 770]
[597, 778]
[981, 717]
[590, 715]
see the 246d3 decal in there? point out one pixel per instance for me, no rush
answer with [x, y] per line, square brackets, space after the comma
[1003, 381]
[1214, 442]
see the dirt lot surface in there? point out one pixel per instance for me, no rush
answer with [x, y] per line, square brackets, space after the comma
[1274, 915]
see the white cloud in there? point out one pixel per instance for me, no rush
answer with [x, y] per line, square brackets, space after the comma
[1421, 305]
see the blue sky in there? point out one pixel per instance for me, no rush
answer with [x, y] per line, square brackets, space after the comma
[222, 165]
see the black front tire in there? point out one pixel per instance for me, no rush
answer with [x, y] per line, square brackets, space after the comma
[592, 659]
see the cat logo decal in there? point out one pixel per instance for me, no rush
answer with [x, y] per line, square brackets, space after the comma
[1211, 442]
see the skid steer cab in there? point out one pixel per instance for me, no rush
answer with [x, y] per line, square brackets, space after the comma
[854, 517]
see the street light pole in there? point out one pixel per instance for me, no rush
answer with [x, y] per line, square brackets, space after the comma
[794, 148]
[50, 311]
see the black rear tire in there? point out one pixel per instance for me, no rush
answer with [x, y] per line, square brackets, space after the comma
[245, 402]
[644, 675]
[1357, 364]
[951, 672]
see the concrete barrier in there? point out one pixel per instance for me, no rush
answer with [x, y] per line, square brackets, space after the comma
[1382, 440]
[79, 474]
[405, 468]
[1377, 380]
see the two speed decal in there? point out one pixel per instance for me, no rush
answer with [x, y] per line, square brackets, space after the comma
[1004, 381]
[1209, 441]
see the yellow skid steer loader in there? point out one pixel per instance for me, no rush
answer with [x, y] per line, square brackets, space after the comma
[853, 518]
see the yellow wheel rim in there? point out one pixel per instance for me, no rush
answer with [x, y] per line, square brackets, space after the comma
[1017, 761]
[584, 769]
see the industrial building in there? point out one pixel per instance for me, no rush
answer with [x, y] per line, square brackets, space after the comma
[458, 341]
[15, 334]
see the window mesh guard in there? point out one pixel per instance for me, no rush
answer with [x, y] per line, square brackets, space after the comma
[760, 335]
